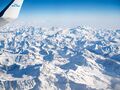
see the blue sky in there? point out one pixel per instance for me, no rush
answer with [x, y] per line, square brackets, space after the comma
[38, 7]
[70, 6]
[71, 11]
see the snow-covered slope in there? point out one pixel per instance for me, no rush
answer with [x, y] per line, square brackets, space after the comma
[80, 58]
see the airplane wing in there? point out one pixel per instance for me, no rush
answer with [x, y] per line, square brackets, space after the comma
[10, 12]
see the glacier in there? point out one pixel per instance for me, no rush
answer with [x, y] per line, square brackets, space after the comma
[79, 58]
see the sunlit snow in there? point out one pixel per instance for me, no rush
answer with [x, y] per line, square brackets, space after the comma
[79, 58]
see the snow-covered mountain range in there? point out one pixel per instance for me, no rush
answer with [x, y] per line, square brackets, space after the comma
[79, 58]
